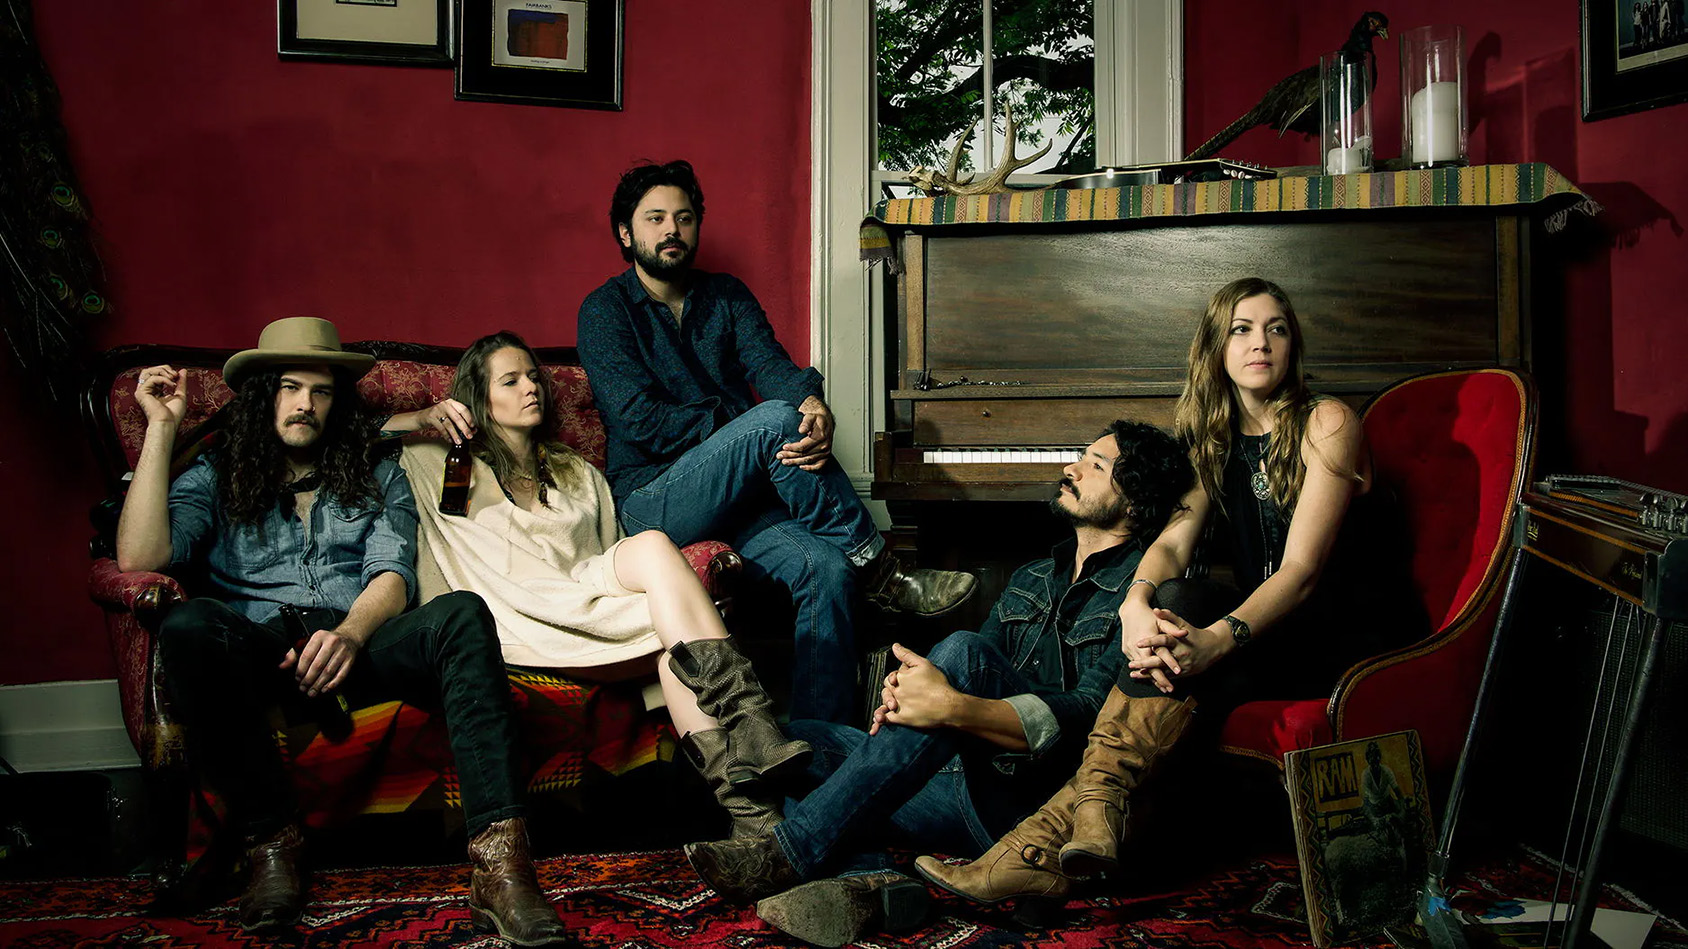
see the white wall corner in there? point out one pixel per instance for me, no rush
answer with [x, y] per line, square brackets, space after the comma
[64, 726]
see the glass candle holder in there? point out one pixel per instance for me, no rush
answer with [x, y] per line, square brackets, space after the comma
[1433, 118]
[1345, 129]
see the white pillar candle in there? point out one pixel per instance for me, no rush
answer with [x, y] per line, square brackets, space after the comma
[1435, 123]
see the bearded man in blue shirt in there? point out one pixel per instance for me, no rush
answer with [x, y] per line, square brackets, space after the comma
[673, 353]
[293, 512]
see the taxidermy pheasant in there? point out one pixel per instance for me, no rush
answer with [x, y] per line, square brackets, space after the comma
[1293, 103]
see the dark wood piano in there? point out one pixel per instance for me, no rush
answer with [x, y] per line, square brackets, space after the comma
[1012, 343]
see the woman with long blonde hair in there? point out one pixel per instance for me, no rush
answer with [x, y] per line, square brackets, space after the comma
[1321, 571]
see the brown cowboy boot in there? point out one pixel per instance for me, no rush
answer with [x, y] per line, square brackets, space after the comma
[504, 893]
[896, 589]
[1129, 736]
[275, 896]
[727, 690]
[1022, 864]
[744, 869]
[754, 815]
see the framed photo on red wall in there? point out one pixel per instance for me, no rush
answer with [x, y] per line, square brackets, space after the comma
[540, 52]
[380, 32]
[1634, 56]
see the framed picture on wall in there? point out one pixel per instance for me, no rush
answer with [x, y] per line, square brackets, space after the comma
[540, 52]
[1634, 56]
[381, 32]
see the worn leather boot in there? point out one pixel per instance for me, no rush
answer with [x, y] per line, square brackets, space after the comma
[504, 893]
[841, 910]
[275, 895]
[1024, 864]
[753, 814]
[744, 869]
[728, 691]
[895, 588]
[1129, 736]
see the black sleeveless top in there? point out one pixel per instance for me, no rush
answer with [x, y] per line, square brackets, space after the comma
[1365, 591]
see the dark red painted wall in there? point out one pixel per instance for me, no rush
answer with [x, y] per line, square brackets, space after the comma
[1607, 344]
[232, 189]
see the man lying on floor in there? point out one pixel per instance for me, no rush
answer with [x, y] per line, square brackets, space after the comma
[973, 737]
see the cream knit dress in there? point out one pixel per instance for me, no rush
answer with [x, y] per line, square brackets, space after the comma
[548, 575]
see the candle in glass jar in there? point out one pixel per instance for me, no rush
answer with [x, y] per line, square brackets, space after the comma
[1435, 123]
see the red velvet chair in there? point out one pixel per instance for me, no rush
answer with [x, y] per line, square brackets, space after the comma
[397, 757]
[1458, 448]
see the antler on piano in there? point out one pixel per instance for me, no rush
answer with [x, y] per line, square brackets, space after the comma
[932, 182]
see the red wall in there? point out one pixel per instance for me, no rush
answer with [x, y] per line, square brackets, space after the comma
[1615, 399]
[232, 189]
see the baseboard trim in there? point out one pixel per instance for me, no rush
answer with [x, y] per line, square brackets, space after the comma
[64, 726]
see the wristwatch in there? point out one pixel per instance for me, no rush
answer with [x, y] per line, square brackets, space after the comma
[1239, 630]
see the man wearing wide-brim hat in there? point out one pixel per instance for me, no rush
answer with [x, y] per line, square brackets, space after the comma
[307, 544]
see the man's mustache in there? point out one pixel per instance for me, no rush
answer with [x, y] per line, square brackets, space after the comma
[1068, 484]
[302, 417]
[672, 242]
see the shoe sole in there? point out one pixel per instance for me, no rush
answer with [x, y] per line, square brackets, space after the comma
[1031, 906]
[485, 922]
[894, 908]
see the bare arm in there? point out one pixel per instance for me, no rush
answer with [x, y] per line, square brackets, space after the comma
[448, 417]
[143, 529]
[1168, 557]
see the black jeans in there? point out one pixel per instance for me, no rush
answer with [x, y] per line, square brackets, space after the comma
[223, 674]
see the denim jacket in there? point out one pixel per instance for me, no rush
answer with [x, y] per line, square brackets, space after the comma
[1065, 639]
[324, 564]
[663, 386]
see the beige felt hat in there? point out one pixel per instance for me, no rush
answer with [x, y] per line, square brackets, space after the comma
[295, 341]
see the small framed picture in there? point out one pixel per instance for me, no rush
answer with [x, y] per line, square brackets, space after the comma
[380, 32]
[540, 52]
[1634, 56]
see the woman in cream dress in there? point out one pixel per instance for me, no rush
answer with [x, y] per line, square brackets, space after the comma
[541, 545]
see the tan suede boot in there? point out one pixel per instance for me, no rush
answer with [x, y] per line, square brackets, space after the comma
[1023, 864]
[1129, 736]
[504, 893]
[754, 813]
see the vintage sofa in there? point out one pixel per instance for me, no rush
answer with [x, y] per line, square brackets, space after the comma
[397, 758]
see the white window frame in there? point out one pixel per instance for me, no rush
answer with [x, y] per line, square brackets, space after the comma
[1139, 75]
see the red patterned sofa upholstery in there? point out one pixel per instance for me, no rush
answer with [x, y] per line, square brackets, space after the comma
[1458, 448]
[397, 757]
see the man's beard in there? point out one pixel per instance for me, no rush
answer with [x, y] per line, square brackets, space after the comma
[1112, 513]
[653, 263]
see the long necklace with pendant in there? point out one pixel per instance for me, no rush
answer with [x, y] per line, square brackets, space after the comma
[1257, 482]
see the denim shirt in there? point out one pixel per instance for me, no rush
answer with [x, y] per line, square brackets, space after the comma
[323, 564]
[663, 386]
[1064, 638]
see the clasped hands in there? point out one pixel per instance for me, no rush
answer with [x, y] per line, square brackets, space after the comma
[1161, 646]
[812, 450]
[916, 694]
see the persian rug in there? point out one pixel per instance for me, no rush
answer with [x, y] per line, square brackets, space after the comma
[653, 899]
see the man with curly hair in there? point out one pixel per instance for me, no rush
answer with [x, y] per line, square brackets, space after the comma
[973, 736]
[306, 545]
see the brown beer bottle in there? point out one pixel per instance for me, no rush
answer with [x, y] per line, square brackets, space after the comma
[454, 495]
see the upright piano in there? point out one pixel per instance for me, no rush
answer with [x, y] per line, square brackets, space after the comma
[1025, 322]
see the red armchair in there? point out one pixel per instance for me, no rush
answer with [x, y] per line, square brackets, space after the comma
[397, 757]
[1458, 448]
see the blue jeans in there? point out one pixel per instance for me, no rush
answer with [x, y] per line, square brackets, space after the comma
[806, 530]
[937, 789]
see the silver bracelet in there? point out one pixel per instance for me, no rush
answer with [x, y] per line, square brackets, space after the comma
[1153, 586]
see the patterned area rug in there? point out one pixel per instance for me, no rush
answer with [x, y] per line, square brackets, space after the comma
[654, 900]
